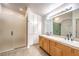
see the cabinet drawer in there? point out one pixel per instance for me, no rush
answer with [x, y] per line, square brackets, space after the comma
[67, 51]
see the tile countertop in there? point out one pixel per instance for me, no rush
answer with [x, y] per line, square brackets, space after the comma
[61, 40]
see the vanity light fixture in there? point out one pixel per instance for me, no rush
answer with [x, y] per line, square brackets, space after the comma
[20, 9]
[56, 19]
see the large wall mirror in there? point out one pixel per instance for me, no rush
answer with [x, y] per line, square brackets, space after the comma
[76, 18]
[62, 24]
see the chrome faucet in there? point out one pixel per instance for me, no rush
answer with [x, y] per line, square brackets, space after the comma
[69, 36]
[48, 33]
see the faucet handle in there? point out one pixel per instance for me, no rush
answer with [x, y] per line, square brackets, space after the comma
[68, 36]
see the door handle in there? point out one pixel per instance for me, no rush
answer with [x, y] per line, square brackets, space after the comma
[11, 33]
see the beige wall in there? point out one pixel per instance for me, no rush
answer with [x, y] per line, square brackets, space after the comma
[11, 21]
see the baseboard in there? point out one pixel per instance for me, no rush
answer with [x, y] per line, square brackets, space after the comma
[6, 51]
[12, 49]
[36, 44]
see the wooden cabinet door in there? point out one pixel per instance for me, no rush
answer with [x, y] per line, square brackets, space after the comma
[75, 52]
[41, 40]
[51, 48]
[46, 45]
[58, 51]
[67, 51]
[54, 51]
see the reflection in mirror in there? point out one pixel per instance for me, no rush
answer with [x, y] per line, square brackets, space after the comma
[62, 24]
[76, 17]
[77, 28]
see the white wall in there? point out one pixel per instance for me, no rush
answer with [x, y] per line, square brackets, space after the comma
[34, 27]
[43, 25]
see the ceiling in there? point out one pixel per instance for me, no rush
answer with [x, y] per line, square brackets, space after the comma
[39, 8]
[15, 7]
[43, 8]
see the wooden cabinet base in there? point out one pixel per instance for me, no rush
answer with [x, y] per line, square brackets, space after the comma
[54, 48]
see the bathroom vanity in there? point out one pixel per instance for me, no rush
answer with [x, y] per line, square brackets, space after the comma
[58, 46]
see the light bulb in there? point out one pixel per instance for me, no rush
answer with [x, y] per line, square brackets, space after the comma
[21, 9]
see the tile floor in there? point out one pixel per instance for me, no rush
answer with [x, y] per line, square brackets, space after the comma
[34, 50]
